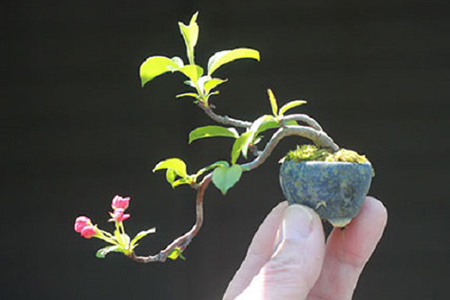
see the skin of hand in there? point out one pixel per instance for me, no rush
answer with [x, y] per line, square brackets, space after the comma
[289, 258]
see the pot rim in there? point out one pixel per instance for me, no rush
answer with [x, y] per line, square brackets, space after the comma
[314, 162]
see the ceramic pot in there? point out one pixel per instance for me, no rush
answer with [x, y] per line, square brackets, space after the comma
[335, 190]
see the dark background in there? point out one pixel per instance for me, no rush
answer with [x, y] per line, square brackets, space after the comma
[76, 129]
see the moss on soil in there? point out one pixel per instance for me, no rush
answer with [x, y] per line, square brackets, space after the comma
[313, 153]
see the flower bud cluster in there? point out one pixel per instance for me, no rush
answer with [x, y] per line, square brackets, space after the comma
[120, 241]
[83, 225]
[119, 204]
[85, 228]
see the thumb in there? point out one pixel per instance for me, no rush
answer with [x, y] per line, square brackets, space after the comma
[297, 259]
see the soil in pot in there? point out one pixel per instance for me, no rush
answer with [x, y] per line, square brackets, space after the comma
[334, 185]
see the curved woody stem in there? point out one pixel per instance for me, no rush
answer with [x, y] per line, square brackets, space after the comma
[318, 137]
[313, 132]
[224, 119]
[183, 241]
[305, 119]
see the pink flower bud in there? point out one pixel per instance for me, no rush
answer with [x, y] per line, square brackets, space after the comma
[119, 215]
[89, 231]
[81, 222]
[120, 202]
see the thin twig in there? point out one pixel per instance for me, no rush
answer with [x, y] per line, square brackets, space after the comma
[183, 241]
[225, 120]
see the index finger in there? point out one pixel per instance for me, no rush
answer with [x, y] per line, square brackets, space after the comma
[347, 252]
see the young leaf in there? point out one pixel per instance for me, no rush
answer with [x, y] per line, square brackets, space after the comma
[241, 143]
[217, 164]
[211, 131]
[212, 83]
[101, 253]
[193, 72]
[142, 234]
[273, 103]
[213, 93]
[190, 83]
[170, 176]
[290, 105]
[263, 123]
[155, 66]
[272, 125]
[180, 182]
[226, 177]
[178, 61]
[177, 252]
[174, 164]
[224, 57]
[201, 81]
[190, 36]
[193, 95]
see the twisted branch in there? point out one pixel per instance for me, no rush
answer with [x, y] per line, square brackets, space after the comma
[224, 119]
[313, 132]
[320, 138]
[183, 241]
[305, 119]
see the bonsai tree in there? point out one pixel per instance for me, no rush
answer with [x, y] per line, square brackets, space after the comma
[331, 180]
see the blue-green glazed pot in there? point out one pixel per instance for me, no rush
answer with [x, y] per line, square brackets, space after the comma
[335, 190]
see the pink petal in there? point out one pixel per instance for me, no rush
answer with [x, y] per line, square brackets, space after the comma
[88, 231]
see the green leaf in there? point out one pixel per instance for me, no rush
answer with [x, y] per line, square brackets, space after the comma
[241, 144]
[193, 72]
[193, 95]
[212, 131]
[268, 125]
[176, 253]
[212, 83]
[170, 175]
[201, 81]
[226, 177]
[217, 164]
[290, 105]
[273, 125]
[257, 139]
[189, 83]
[263, 123]
[180, 182]
[213, 93]
[175, 164]
[250, 136]
[224, 57]
[273, 103]
[142, 234]
[101, 253]
[178, 61]
[155, 66]
[190, 36]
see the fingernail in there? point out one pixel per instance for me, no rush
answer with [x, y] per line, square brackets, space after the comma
[297, 223]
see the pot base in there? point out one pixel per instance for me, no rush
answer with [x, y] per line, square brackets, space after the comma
[339, 223]
[335, 190]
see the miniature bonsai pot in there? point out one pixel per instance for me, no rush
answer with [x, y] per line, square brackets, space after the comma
[334, 189]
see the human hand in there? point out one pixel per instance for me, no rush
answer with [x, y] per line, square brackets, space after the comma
[289, 259]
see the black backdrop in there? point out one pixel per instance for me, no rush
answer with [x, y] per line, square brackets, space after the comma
[77, 129]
